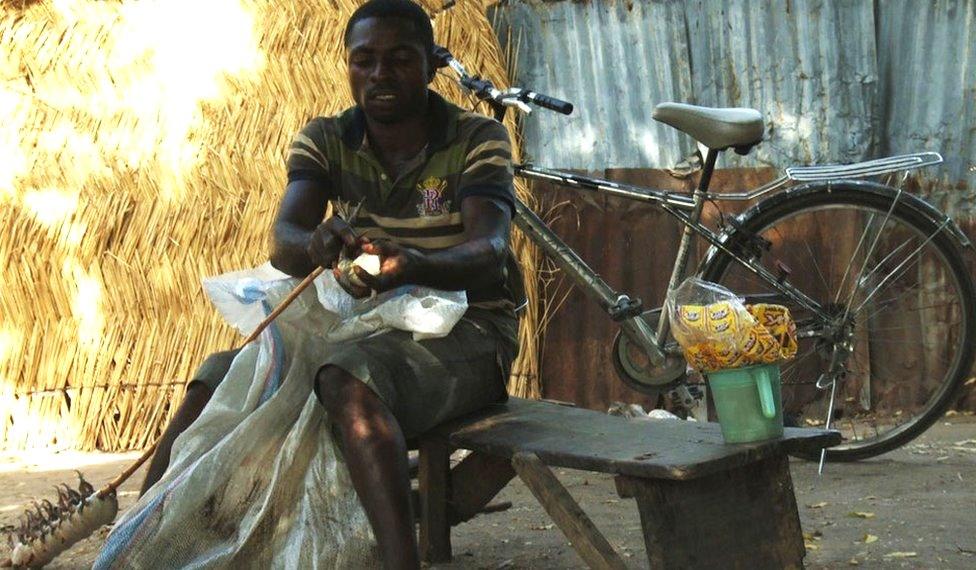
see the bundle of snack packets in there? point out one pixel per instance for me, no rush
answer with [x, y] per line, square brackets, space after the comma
[718, 331]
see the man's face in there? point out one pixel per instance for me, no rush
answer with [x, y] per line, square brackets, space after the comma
[388, 69]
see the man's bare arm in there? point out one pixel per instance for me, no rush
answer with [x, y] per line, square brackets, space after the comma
[300, 212]
[479, 261]
[300, 240]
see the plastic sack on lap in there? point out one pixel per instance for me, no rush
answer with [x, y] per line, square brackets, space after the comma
[428, 313]
[256, 481]
[243, 298]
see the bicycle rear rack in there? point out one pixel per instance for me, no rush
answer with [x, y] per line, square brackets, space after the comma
[828, 172]
[863, 169]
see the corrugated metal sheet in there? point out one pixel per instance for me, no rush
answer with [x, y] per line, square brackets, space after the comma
[808, 65]
[613, 60]
[927, 61]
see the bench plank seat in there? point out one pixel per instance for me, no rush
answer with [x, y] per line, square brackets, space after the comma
[702, 503]
[575, 438]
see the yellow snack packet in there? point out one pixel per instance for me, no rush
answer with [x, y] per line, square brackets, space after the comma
[721, 319]
[717, 331]
[780, 324]
[716, 341]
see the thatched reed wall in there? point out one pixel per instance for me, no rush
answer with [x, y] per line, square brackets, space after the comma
[141, 149]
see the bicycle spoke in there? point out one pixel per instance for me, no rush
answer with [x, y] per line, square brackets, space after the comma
[784, 371]
[878, 288]
[847, 271]
[879, 329]
[885, 304]
[853, 428]
[913, 289]
[881, 263]
[906, 342]
[874, 244]
[817, 267]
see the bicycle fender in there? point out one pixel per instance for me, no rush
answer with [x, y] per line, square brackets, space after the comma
[918, 204]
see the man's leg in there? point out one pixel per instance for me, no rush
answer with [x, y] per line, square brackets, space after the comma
[197, 396]
[376, 454]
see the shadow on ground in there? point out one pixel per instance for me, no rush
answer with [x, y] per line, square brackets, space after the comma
[912, 508]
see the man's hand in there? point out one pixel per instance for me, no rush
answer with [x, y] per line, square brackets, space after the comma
[399, 265]
[331, 238]
[342, 277]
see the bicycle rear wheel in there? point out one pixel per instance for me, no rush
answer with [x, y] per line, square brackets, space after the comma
[894, 288]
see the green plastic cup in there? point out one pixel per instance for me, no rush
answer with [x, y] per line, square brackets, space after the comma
[748, 402]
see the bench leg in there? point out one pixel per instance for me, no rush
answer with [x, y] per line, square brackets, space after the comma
[592, 546]
[435, 529]
[474, 482]
[742, 518]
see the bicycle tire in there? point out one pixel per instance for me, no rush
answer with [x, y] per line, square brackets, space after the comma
[843, 203]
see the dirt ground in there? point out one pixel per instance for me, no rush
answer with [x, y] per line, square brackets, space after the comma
[912, 508]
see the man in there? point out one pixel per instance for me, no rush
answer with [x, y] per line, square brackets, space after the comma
[435, 184]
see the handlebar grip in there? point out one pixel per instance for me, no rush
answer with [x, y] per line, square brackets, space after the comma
[548, 102]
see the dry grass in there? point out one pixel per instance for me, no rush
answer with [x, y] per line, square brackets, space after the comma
[124, 180]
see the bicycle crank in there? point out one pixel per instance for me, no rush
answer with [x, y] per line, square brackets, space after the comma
[637, 370]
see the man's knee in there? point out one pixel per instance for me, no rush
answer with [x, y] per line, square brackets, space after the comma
[352, 405]
[213, 369]
[337, 389]
[195, 400]
[197, 395]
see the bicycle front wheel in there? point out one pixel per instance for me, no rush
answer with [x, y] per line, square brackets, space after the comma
[897, 302]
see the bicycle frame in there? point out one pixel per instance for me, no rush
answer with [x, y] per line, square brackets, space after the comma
[687, 210]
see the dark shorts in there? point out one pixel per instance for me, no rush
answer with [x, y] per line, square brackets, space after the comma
[213, 369]
[426, 382]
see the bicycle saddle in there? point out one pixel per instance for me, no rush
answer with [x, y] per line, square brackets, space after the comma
[717, 129]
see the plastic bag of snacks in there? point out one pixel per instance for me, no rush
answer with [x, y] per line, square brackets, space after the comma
[718, 331]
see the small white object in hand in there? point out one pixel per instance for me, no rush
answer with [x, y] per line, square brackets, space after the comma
[347, 269]
[369, 262]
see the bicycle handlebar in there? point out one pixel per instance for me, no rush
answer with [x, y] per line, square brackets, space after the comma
[557, 105]
[486, 91]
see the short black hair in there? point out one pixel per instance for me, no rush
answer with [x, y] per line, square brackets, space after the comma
[402, 9]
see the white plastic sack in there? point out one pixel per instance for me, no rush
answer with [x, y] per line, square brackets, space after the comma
[429, 313]
[256, 481]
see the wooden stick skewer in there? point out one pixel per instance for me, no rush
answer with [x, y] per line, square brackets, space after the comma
[283, 305]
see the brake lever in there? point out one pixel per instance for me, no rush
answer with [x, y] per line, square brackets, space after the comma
[514, 97]
[517, 103]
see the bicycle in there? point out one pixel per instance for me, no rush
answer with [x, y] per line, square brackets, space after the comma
[900, 303]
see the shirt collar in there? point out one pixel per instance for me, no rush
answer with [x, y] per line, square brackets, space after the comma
[443, 125]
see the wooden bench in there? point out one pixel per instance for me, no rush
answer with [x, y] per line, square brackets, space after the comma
[702, 503]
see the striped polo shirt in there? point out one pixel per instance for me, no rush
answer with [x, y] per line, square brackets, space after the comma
[467, 154]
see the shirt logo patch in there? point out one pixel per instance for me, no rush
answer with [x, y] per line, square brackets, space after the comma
[432, 200]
